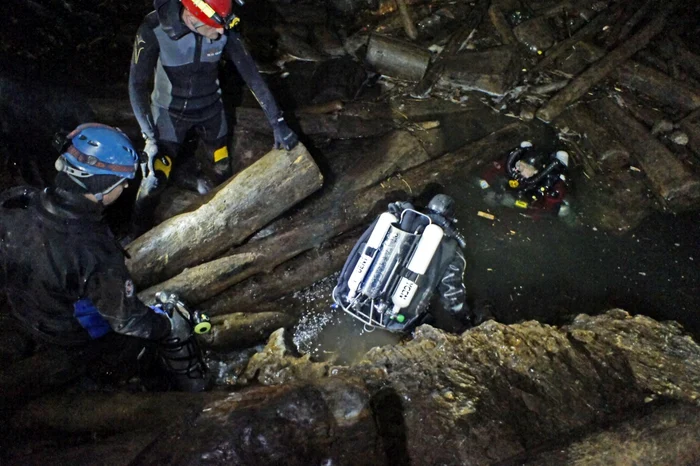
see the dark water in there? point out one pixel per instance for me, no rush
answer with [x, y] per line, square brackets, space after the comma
[544, 269]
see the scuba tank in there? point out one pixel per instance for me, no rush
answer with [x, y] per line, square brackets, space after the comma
[392, 271]
[179, 352]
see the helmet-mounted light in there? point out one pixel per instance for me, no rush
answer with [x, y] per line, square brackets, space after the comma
[228, 22]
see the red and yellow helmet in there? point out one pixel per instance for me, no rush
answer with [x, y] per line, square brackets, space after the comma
[214, 13]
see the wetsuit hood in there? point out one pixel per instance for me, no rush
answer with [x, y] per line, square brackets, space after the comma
[59, 204]
[170, 17]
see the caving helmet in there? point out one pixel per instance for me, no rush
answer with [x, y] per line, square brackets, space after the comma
[96, 157]
[213, 13]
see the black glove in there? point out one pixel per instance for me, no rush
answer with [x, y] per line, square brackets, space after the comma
[284, 136]
[451, 287]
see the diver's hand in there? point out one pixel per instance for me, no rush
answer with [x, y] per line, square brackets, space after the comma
[284, 136]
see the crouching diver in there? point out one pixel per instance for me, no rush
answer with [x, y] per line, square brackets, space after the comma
[63, 272]
[529, 179]
[398, 265]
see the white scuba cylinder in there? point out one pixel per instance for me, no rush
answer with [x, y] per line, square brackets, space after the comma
[370, 251]
[428, 244]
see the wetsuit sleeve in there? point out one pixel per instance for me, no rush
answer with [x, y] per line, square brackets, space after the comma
[112, 292]
[248, 70]
[451, 288]
[143, 64]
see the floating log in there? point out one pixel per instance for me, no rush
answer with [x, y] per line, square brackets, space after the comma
[397, 58]
[238, 208]
[492, 71]
[610, 154]
[243, 329]
[586, 32]
[580, 85]
[456, 43]
[670, 179]
[499, 22]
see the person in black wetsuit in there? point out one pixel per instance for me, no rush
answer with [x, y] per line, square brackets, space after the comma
[181, 44]
[62, 272]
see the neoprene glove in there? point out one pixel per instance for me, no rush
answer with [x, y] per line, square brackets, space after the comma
[284, 136]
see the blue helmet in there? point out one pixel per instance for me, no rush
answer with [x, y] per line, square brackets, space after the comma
[96, 149]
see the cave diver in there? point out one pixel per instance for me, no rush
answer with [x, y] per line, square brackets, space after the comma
[177, 49]
[528, 179]
[63, 273]
[400, 263]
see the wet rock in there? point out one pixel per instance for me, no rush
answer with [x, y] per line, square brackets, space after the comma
[679, 137]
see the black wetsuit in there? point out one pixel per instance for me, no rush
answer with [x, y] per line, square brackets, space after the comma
[55, 250]
[186, 92]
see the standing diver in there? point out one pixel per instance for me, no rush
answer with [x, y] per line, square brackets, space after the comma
[178, 48]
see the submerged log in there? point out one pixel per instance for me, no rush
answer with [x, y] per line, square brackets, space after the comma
[535, 34]
[492, 71]
[580, 85]
[396, 58]
[409, 26]
[691, 126]
[670, 179]
[610, 153]
[237, 209]
[499, 22]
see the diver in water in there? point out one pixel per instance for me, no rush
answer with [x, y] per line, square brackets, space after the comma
[407, 269]
[63, 273]
[529, 180]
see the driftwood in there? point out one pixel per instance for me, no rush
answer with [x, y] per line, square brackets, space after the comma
[610, 154]
[346, 214]
[409, 26]
[396, 58]
[580, 85]
[501, 25]
[492, 71]
[670, 179]
[456, 43]
[237, 209]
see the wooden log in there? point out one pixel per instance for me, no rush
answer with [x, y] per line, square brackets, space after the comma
[255, 293]
[237, 209]
[610, 153]
[586, 32]
[396, 152]
[634, 20]
[685, 58]
[409, 26]
[535, 34]
[30, 377]
[670, 179]
[499, 22]
[243, 330]
[396, 58]
[346, 213]
[492, 71]
[691, 126]
[580, 85]
[658, 86]
[456, 43]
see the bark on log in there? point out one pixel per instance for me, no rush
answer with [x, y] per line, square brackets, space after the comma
[670, 179]
[243, 205]
[610, 153]
[456, 43]
[501, 24]
[346, 214]
[691, 126]
[580, 85]
[394, 153]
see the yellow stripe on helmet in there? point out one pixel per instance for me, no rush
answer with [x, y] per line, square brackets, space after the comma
[205, 7]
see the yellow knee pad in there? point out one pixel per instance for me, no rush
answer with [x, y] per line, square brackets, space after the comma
[164, 165]
[220, 154]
